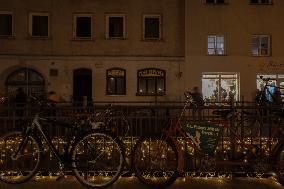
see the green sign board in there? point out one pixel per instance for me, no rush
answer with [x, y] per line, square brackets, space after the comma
[204, 135]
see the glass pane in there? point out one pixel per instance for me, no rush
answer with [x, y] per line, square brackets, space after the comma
[211, 39]
[111, 86]
[40, 26]
[152, 28]
[210, 89]
[6, 24]
[220, 39]
[229, 89]
[220, 51]
[160, 85]
[120, 85]
[211, 51]
[115, 26]
[83, 26]
[211, 45]
[151, 86]
[34, 77]
[142, 85]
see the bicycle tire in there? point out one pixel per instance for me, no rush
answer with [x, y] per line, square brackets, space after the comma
[13, 170]
[92, 159]
[280, 166]
[142, 162]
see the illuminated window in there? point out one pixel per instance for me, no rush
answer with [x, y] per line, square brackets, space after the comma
[216, 45]
[115, 26]
[6, 24]
[152, 27]
[82, 26]
[116, 81]
[151, 81]
[260, 45]
[276, 80]
[220, 86]
[39, 25]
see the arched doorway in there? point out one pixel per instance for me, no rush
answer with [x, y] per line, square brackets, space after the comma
[31, 81]
[82, 85]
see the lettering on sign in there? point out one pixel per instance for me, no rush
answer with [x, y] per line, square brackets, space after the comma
[116, 73]
[151, 73]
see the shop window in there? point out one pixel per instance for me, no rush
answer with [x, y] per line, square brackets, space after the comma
[219, 87]
[276, 80]
[83, 26]
[6, 25]
[116, 81]
[216, 45]
[151, 81]
[115, 26]
[260, 45]
[39, 25]
[152, 27]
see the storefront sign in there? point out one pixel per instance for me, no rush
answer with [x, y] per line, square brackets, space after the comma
[272, 66]
[116, 73]
[151, 73]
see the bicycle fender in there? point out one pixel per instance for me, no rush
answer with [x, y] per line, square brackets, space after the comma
[181, 161]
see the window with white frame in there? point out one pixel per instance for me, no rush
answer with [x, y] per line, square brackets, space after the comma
[6, 24]
[39, 25]
[216, 45]
[152, 27]
[220, 86]
[214, 1]
[276, 80]
[260, 45]
[260, 1]
[115, 26]
[82, 26]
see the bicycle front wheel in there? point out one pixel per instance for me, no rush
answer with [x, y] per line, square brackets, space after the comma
[19, 157]
[155, 161]
[98, 159]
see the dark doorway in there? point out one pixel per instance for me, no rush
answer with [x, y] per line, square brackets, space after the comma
[82, 86]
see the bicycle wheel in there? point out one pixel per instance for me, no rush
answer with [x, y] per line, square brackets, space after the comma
[155, 161]
[97, 159]
[20, 167]
[280, 166]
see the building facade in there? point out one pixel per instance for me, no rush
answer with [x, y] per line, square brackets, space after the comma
[134, 50]
[120, 50]
[230, 43]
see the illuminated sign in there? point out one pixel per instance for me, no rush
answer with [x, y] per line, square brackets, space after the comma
[151, 72]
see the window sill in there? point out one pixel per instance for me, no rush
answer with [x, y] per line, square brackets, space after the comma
[216, 54]
[115, 94]
[7, 37]
[261, 55]
[115, 38]
[39, 37]
[82, 39]
[149, 94]
[260, 3]
[152, 40]
[216, 4]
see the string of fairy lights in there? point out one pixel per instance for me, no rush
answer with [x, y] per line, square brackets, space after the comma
[224, 148]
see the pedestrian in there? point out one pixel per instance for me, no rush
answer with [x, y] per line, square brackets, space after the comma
[199, 103]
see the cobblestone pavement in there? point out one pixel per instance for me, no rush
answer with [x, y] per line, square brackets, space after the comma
[132, 183]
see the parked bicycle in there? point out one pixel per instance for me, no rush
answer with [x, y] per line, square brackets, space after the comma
[158, 160]
[96, 158]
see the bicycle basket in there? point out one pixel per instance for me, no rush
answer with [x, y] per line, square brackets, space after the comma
[204, 135]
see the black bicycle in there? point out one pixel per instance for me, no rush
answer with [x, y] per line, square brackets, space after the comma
[96, 158]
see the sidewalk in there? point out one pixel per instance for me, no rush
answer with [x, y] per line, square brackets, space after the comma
[132, 183]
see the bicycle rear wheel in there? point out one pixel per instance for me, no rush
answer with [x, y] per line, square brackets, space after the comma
[155, 161]
[20, 167]
[98, 159]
